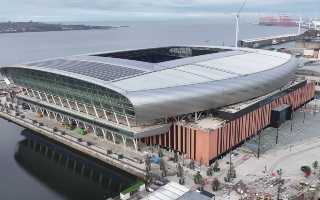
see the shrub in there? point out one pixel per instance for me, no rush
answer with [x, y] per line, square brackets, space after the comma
[306, 170]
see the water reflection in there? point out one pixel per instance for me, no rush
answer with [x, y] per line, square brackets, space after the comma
[67, 172]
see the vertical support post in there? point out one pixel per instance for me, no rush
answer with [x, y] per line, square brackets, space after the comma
[104, 134]
[94, 130]
[68, 104]
[85, 108]
[95, 111]
[124, 140]
[304, 112]
[32, 106]
[315, 107]
[77, 106]
[49, 114]
[135, 144]
[105, 114]
[128, 122]
[115, 116]
[34, 95]
[46, 97]
[39, 95]
[230, 164]
[113, 137]
[277, 137]
[69, 120]
[259, 135]
[28, 92]
[61, 102]
[54, 101]
[77, 123]
[55, 115]
[292, 115]
[85, 126]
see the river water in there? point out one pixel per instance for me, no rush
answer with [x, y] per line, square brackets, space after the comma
[26, 172]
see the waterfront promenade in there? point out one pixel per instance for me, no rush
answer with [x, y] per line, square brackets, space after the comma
[112, 154]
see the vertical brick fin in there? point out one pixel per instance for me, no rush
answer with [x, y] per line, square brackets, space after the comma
[205, 146]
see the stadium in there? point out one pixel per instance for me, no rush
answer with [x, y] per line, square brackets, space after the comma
[201, 101]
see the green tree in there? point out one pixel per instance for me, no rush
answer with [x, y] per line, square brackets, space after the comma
[197, 178]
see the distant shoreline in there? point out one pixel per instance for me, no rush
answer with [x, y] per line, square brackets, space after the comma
[25, 27]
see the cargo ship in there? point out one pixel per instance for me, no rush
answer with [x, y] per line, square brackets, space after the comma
[278, 21]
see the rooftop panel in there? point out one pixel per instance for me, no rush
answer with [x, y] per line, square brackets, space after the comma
[97, 70]
[207, 72]
[245, 63]
[160, 79]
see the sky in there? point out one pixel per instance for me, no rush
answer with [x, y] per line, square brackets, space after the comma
[96, 10]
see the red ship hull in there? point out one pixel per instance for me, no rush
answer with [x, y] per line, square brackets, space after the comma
[277, 21]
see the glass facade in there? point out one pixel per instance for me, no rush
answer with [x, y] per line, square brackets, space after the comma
[72, 89]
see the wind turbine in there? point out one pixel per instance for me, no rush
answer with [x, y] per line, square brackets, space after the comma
[237, 22]
[299, 28]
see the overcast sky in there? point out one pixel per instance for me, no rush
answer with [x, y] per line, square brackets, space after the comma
[87, 10]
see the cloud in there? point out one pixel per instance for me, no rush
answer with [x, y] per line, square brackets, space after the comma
[91, 9]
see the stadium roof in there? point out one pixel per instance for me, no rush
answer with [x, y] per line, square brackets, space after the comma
[168, 81]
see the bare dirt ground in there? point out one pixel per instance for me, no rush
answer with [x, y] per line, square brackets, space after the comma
[295, 148]
[258, 177]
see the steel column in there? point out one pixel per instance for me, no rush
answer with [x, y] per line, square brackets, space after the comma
[113, 137]
[85, 108]
[61, 102]
[135, 144]
[77, 106]
[54, 101]
[95, 111]
[105, 114]
[124, 140]
[69, 104]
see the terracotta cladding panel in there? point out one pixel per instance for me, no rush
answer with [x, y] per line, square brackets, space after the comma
[200, 145]
[213, 143]
[188, 142]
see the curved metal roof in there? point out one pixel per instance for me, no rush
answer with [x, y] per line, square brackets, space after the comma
[183, 85]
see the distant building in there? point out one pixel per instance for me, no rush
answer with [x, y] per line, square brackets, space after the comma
[198, 100]
[316, 24]
[309, 43]
[311, 73]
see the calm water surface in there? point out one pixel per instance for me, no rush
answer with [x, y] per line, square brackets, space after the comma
[26, 171]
